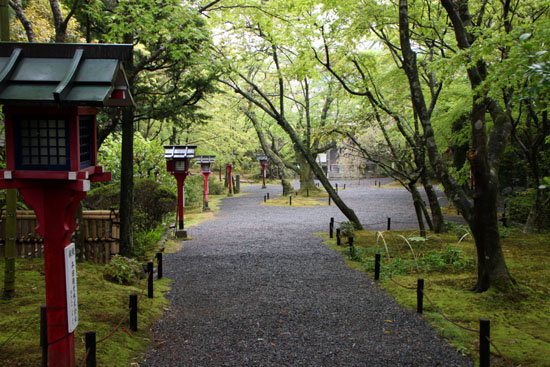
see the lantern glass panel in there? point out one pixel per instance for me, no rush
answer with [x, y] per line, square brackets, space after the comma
[180, 166]
[86, 140]
[41, 144]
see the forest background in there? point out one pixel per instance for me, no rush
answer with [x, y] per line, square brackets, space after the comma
[447, 92]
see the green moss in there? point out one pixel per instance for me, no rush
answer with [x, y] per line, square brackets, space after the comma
[101, 307]
[317, 199]
[518, 318]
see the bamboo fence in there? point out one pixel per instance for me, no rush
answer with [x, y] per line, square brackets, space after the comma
[96, 239]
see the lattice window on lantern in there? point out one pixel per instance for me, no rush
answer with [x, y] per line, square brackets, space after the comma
[42, 144]
[86, 142]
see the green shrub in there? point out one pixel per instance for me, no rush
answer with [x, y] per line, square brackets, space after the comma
[145, 242]
[215, 187]
[152, 201]
[104, 197]
[347, 229]
[520, 206]
[123, 270]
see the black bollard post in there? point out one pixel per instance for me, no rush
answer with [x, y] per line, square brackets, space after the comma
[338, 238]
[419, 295]
[389, 224]
[344, 186]
[484, 346]
[268, 196]
[150, 279]
[337, 187]
[265, 199]
[290, 200]
[351, 247]
[329, 200]
[377, 267]
[133, 311]
[374, 182]
[44, 335]
[90, 349]
[331, 227]
[379, 183]
[159, 265]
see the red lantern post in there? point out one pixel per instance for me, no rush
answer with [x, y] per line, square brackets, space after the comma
[177, 163]
[205, 161]
[229, 167]
[263, 163]
[51, 154]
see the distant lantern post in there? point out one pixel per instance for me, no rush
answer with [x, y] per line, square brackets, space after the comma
[177, 163]
[50, 95]
[263, 163]
[229, 167]
[205, 161]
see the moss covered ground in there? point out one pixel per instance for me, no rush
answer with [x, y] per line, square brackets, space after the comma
[102, 305]
[519, 319]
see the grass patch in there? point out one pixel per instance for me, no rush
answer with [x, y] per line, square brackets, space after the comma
[101, 306]
[447, 264]
[319, 198]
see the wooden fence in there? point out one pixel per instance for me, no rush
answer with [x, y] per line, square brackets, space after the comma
[97, 239]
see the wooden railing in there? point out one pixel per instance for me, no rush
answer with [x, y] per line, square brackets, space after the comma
[97, 239]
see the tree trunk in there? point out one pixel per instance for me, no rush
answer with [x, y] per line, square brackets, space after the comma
[287, 187]
[492, 268]
[306, 174]
[437, 216]
[127, 183]
[417, 201]
[535, 220]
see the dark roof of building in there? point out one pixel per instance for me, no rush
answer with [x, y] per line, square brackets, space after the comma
[49, 74]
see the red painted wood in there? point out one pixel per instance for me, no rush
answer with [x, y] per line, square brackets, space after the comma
[206, 174]
[229, 168]
[264, 166]
[55, 206]
[180, 178]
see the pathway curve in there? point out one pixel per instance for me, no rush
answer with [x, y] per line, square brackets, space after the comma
[257, 288]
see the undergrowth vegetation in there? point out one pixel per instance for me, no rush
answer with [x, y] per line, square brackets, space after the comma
[102, 305]
[447, 264]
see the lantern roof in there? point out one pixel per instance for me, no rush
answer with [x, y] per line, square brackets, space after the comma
[53, 74]
[203, 159]
[179, 151]
[262, 158]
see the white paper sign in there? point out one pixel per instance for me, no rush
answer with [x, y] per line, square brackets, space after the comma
[70, 281]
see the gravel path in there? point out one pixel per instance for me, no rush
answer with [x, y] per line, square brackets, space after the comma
[257, 288]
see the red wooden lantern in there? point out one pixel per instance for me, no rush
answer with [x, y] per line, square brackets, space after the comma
[205, 161]
[50, 94]
[229, 168]
[263, 163]
[177, 163]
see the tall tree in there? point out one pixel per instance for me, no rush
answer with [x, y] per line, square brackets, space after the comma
[481, 213]
[169, 70]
